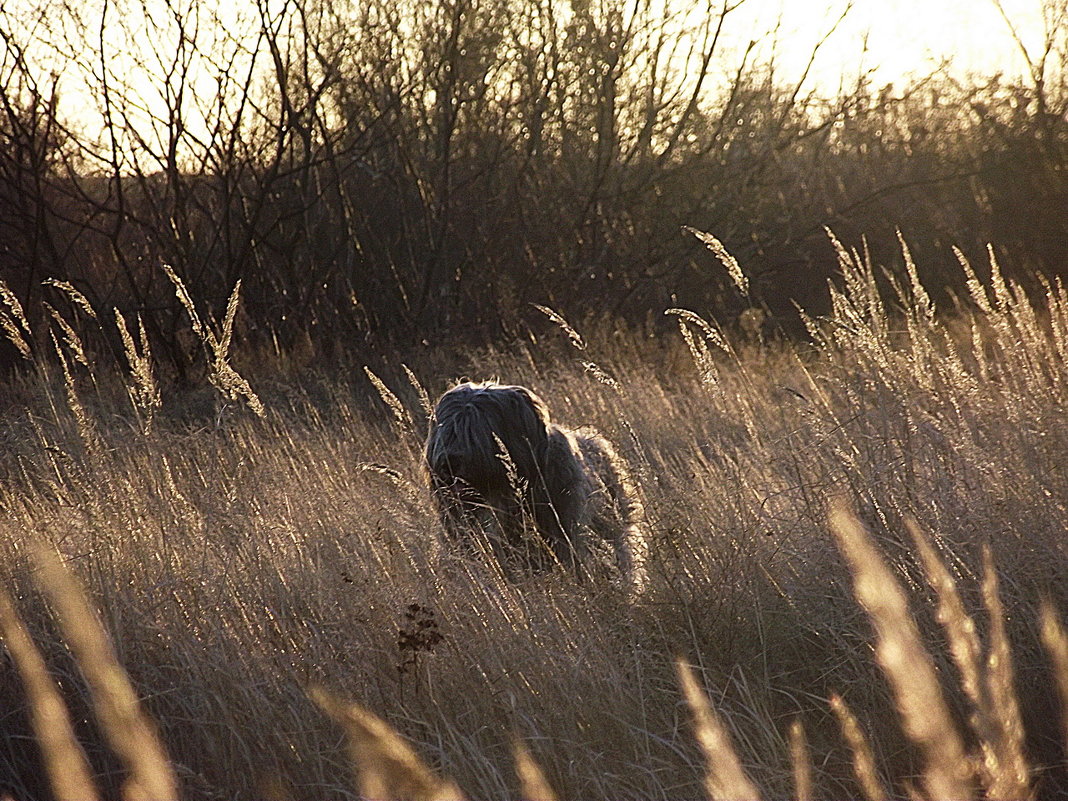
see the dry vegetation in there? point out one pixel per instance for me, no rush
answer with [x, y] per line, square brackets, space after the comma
[373, 170]
[263, 555]
[215, 273]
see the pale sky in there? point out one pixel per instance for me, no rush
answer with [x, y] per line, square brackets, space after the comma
[903, 36]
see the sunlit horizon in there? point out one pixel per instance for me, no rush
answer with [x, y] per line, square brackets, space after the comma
[895, 41]
[886, 43]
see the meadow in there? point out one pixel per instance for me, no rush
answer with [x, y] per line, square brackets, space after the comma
[857, 565]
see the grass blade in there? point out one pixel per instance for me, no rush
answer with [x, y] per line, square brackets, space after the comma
[1056, 641]
[907, 666]
[725, 779]
[386, 766]
[129, 731]
[1012, 780]
[68, 770]
[863, 759]
[960, 630]
[967, 653]
[802, 763]
[533, 786]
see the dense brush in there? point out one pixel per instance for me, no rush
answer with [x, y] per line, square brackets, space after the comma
[214, 562]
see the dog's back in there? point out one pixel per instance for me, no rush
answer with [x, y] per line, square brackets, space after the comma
[615, 512]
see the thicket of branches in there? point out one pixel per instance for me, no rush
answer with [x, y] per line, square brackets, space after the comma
[408, 170]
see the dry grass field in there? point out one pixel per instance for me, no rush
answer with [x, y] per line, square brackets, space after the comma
[858, 561]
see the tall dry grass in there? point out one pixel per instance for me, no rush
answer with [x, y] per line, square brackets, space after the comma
[236, 561]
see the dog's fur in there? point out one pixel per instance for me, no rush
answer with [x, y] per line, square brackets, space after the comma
[540, 493]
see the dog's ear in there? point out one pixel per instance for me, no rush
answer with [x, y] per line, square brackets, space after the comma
[531, 406]
[561, 495]
[536, 425]
[562, 470]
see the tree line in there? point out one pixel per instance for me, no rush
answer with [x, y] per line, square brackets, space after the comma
[383, 171]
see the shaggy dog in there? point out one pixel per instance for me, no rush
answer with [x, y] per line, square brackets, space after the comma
[538, 492]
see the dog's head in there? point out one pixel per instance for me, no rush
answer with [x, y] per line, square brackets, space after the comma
[486, 437]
